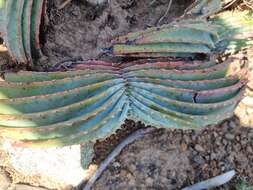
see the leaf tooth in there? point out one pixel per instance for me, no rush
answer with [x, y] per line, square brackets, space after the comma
[189, 95]
[215, 72]
[161, 54]
[187, 107]
[51, 101]
[179, 94]
[177, 35]
[204, 26]
[66, 113]
[101, 129]
[179, 65]
[157, 118]
[28, 77]
[17, 90]
[220, 94]
[198, 85]
[150, 61]
[197, 24]
[63, 129]
[198, 120]
[168, 118]
[160, 48]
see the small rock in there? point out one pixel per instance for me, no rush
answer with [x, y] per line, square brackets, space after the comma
[116, 165]
[199, 148]
[123, 173]
[184, 147]
[229, 136]
[215, 134]
[199, 160]
[244, 142]
[232, 124]
[238, 138]
[249, 149]
[130, 176]
[149, 181]
[224, 142]
[4, 180]
[250, 134]
[213, 156]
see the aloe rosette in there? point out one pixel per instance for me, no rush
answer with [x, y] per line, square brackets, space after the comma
[20, 28]
[93, 100]
[226, 32]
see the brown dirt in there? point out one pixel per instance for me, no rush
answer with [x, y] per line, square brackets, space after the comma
[81, 30]
[171, 159]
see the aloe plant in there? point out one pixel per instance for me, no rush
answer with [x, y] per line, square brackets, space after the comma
[225, 33]
[92, 101]
[20, 26]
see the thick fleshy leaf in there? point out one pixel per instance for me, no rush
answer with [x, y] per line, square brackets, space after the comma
[92, 100]
[20, 27]
[187, 37]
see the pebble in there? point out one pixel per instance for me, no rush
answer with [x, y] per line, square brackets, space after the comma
[213, 156]
[199, 148]
[249, 149]
[232, 124]
[184, 147]
[149, 181]
[229, 136]
[116, 165]
[4, 180]
[250, 134]
[199, 160]
[224, 142]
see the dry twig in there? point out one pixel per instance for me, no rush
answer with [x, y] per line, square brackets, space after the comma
[131, 138]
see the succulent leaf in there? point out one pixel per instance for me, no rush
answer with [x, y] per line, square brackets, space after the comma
[20, 26]
[93, 99]
[226, 32]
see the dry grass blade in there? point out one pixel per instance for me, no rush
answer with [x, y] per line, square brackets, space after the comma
[166, 13]
[64, 4]
[213, 182]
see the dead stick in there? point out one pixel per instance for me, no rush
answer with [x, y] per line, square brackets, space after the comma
[131, 138]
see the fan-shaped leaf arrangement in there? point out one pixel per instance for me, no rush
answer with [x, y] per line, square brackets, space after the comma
[92, 100]
[20, 26]
[228, 32]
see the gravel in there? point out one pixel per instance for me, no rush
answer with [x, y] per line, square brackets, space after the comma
[172, 159]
